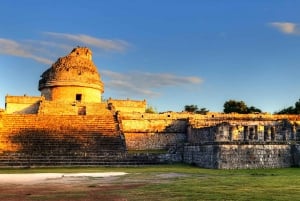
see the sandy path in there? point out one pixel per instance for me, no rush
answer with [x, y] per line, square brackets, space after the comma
[43, 177]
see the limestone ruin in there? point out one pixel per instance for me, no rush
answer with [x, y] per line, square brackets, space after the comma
[69, 125]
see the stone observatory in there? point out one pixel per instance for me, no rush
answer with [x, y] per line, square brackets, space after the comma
[69, 125]
[72, 78]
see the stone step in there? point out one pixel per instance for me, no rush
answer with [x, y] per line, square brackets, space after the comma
[55, 134]
[115, 160]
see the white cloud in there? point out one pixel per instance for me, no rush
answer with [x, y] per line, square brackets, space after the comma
[286, 27]
[106, 44]
[11, 47]
[50, 44]
[57, 44]
[145, 83]
[127, 84]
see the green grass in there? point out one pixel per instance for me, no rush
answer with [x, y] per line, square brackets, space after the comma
[192, 183]
[204, 184]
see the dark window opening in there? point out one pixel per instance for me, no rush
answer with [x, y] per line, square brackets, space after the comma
[78, 97]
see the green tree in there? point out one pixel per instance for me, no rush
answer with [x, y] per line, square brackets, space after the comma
[288, 110]
[253, 109]
[297, 107]
[194, 109]
[235, 106]
[202, 110]
[151, 109]
[291, 109]
[239, 107]
[191, 108]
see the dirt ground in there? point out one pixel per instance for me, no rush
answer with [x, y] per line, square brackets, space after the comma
[84, 187]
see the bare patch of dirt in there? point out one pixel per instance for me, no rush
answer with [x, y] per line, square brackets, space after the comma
[77, 192]
[80, 188]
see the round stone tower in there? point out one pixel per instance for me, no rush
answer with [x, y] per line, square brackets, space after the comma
[72, 78]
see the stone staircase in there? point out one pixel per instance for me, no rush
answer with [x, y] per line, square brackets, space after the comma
[124, 159]
[27, 140]
[66, 140]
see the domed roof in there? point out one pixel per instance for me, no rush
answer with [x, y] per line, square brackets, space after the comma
[75, 69]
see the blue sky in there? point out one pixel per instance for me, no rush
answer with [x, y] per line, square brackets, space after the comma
[171, 53]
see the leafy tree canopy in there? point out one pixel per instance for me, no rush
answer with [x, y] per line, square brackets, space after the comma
[202, 110]
[291, 109]
[151, 109]
[235, 106]
[253, 109]
[190, 108]
[297, 107]
[194, 109]
[239, 107]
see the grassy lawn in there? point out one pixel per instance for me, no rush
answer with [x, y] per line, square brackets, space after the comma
[180, 182]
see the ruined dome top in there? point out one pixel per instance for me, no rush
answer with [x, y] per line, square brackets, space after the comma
[75, 69]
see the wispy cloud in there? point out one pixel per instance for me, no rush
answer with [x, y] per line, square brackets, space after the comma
[145, 83]
[11, 47]
[106, 44]
[55, 44]
[286, 27]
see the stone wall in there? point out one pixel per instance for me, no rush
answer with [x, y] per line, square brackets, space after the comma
[75, 108]
[221, 117]
[238, 129]
[22, 104]
[95, 108]
[57, 108]
[70, 94]
[239, 156]
[127, 105]
[153, 141]
[205, 156]
[145, 131]
[296, 155]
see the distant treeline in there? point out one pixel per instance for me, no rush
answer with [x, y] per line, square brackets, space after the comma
[241, 107]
